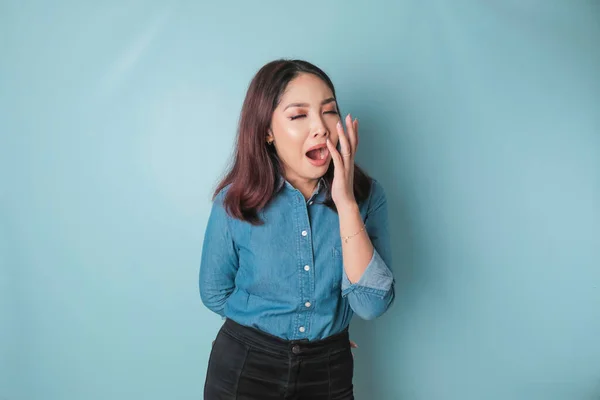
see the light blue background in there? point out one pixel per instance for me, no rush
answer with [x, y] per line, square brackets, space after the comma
[481, 119]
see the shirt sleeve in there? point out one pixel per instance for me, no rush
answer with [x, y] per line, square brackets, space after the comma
[374, 293]
[219, 261]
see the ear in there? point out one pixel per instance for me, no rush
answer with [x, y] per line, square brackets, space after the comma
[270, 138]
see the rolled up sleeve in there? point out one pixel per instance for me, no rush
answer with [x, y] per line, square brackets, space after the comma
[374, 292]
[219, 261]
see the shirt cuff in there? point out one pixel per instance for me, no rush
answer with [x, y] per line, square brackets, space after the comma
[376, 279]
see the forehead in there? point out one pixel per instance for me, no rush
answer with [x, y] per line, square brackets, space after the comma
[306, 88]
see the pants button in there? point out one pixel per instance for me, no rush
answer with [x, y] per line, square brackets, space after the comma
[296, 349]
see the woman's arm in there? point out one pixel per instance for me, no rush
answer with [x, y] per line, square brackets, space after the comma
[367, 280]
[219, 262]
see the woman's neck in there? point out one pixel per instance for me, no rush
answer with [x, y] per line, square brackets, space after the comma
[305, 186]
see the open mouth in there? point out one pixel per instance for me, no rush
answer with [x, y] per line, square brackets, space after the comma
[318, 154]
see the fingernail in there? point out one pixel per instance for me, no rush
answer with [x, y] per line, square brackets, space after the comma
[339, 124]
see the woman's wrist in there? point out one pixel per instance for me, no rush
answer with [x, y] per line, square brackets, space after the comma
[350, 207]
[350, 218]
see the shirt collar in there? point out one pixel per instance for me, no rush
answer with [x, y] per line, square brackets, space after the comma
[282, 182]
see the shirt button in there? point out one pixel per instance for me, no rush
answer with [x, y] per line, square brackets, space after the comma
[310, 203]
[307, 304]
[304, 233]
[307, 268]
[301, 329]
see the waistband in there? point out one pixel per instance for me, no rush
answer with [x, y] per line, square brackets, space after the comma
[276, 345]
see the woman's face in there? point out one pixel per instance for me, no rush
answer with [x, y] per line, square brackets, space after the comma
[305, 117]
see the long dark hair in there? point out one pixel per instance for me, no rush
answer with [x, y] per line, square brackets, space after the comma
[254, 174]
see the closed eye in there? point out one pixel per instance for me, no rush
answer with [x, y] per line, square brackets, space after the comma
[334, 112]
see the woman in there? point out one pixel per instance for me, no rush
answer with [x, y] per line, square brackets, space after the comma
[296, 244]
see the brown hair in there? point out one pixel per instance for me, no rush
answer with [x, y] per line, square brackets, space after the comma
[254, 174]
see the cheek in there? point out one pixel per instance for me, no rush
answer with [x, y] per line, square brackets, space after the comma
[334, 137]
[332, 125]
[290, 143]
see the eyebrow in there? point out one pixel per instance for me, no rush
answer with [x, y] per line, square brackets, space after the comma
[326, 101]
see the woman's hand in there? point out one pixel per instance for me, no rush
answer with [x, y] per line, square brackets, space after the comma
[342, 189]
[353, 346]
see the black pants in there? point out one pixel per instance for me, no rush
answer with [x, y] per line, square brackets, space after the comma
[248, 364]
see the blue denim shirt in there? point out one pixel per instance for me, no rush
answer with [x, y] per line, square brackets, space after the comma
[286, 276]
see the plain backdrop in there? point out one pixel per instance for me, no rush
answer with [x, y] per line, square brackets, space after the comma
[480, 118]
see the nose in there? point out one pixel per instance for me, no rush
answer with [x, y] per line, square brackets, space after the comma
[319, 128]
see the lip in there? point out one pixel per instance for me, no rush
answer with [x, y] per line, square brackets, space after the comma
[315, 147]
